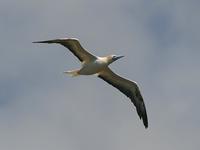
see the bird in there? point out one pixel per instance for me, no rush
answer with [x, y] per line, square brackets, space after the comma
[95, 65]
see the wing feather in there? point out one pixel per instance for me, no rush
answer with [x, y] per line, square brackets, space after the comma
[74, 46]
[129, 88]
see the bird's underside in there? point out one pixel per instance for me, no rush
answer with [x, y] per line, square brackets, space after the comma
[87, 69]
[99, 65]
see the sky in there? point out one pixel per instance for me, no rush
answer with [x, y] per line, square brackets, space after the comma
[42, 108]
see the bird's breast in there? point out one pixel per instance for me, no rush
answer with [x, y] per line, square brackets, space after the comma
[92, 68]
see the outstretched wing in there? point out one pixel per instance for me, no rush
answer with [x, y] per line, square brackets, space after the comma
[129, 88]
[74, 46]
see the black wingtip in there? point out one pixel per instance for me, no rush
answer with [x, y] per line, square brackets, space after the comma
[145, 119]
[35, 42]
[42, 42]
[49, 41]
[145, 123]
[141, 110]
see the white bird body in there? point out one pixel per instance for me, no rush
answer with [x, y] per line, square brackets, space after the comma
[99, 65]
[93, 67]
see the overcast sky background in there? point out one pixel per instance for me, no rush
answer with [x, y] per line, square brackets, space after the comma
[43, 109]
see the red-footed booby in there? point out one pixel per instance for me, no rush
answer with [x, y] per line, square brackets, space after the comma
[92, 64]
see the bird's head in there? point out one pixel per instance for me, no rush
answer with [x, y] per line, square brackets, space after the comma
[113, 58]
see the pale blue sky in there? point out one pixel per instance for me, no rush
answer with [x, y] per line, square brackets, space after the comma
[41, 108]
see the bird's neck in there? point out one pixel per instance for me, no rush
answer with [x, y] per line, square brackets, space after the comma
[105, 60]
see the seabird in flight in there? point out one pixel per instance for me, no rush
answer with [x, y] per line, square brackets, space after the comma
[92, 64]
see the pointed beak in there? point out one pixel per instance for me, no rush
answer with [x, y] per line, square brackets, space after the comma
[118, 57]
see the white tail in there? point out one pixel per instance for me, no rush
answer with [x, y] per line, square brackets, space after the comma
[72, 73]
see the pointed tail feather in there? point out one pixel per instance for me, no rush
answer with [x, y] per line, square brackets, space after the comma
[73, 73]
